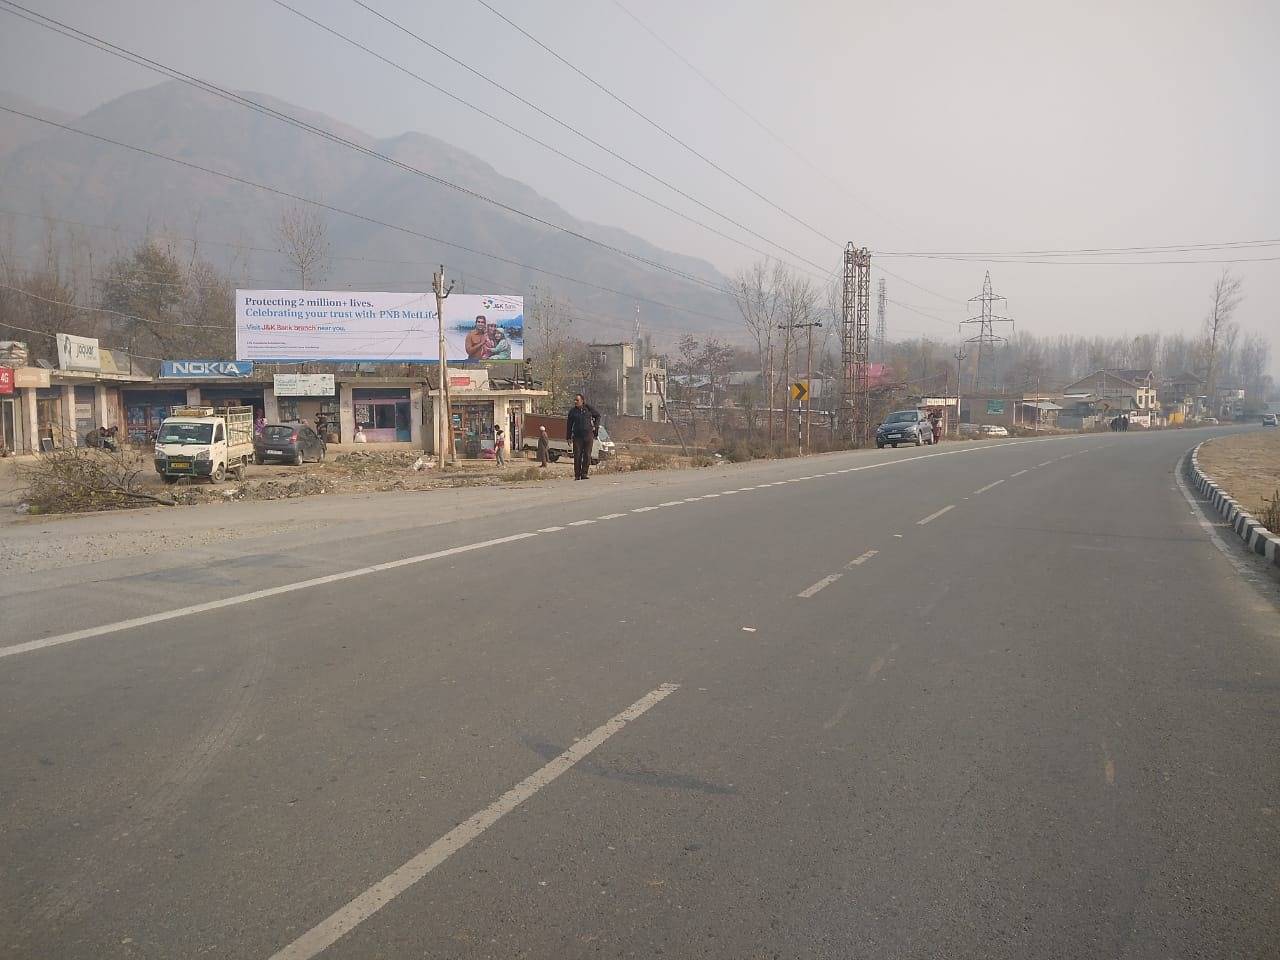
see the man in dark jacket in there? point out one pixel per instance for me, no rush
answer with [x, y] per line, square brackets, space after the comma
[581, 431]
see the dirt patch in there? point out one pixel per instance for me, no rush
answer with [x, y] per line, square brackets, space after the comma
[1247, 466]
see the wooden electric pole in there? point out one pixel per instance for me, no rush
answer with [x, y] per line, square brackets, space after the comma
[444, 423]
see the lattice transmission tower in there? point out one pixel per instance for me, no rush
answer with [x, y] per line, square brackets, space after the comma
[882, 303]
[986, 338]
[855, 344]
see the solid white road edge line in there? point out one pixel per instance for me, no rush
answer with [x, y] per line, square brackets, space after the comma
[986, 488]
[935, 516]
[824, 582]
[240, 598]
[324, 934]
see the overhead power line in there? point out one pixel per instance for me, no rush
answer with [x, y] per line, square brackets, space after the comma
[116, 313]
[653, 123]
[1087, 251]
[776, 137]
[408, 231]
[547, 115]
[174, 73]
[1096, 263]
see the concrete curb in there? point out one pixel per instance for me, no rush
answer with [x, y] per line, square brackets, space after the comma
[1256, 537]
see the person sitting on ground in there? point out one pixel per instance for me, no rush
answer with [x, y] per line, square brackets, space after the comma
[360, 437]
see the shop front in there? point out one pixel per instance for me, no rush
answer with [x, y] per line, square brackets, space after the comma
[145, 410]
[252, 395]
[474, 410]
[86, 412]
[50, 423]
[383, 414]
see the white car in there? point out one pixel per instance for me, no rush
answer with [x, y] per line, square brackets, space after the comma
[993, 430]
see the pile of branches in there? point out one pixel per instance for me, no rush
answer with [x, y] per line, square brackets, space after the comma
[79, 479]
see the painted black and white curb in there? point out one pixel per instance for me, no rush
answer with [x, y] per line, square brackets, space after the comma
[1257, 537]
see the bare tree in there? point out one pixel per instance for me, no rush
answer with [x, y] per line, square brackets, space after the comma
[1218, 326]
[758, 290]
[302, 237]
[558, 361]
[799, 304]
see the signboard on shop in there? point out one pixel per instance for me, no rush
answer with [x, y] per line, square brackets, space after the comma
[78, 353]
[304, 385]
[205, 369]
[6, 380]
[345, 326]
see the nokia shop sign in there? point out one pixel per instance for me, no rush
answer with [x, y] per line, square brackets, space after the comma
[205, 369]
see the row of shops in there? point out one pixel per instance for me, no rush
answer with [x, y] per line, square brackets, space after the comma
[49, 408]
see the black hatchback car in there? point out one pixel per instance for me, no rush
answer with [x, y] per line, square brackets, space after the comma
[287, 443]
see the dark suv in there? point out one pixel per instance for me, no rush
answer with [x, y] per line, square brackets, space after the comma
[904, 426]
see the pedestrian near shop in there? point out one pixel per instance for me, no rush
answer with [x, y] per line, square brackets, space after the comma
[499, 445]
[544, 447]
[580, 428]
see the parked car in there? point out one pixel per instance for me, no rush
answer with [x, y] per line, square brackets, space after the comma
[288, 443]
[1268, 419]
[1209, 421]
[905, 426]
[993, 430]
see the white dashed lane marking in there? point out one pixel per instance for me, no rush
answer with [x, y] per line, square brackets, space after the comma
[987, 487]
[935, 515]
[824, 582]
[580, 523]
[550, 529]
[858, 561]
[1018, 474]
[342, 921]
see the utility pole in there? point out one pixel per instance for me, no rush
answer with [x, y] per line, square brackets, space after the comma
[808, 400]
[986, 319]
[961, 356]
[443, 415]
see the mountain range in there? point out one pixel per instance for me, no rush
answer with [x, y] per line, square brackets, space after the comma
[44, 170]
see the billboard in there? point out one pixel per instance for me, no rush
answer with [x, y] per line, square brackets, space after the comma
[296, 326]
[78, 353]
[303, 385]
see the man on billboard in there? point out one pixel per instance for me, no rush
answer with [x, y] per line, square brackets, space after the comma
[477, 343]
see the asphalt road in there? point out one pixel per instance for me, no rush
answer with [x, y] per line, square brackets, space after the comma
[993, 700]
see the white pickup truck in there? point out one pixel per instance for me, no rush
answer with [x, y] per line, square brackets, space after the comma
[205, 442]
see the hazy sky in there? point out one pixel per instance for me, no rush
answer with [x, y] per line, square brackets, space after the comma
[982, 126]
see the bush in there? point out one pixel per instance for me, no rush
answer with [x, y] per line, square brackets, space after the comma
[1269, 513]
[651, 461]
[525, 474]
[77, 479]
[702, 460]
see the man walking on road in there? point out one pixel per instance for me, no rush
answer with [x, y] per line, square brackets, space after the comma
[581, 431]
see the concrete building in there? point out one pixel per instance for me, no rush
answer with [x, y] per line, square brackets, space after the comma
[1123, 389]
[625, 387]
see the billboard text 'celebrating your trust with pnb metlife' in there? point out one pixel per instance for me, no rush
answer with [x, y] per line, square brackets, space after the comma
[292, 326]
